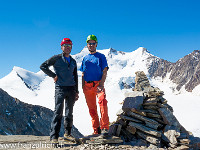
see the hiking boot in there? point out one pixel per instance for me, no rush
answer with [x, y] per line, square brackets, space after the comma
[97, 131]
[69, 138]
[55, 143]
[104, 133]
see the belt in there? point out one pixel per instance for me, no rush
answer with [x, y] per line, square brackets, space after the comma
[91, 82]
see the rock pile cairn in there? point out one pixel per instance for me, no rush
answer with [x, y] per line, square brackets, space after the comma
[147, 120]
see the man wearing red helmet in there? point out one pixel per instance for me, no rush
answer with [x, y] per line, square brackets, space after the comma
[66, 89]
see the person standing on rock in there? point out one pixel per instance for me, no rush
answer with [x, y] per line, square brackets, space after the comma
[66, 89]
[94, 70]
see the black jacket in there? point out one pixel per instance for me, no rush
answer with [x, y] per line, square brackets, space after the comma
[67, 73]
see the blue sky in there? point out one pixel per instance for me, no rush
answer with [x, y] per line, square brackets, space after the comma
[31, 30]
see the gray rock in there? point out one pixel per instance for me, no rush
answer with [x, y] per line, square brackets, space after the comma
[169, 118]
[149, 138]
[146, 129]
[172, 132]
[141, 81]
[133, 100]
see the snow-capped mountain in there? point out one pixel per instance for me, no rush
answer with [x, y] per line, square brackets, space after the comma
[175, 79]
[185, 72]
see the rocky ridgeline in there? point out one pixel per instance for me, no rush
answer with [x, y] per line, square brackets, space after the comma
[184, 73]
[147, 120]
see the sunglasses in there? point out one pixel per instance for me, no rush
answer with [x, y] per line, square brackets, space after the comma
[67, 45]
[91, 43]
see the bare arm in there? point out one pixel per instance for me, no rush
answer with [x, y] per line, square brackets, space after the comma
[83, 81]
[103, 79]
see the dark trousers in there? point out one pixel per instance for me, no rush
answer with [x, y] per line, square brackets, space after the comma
[63, 94]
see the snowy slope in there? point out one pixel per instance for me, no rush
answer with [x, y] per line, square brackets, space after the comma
[38, 89]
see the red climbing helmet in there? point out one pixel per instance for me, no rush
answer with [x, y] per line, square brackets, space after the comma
[66, 41]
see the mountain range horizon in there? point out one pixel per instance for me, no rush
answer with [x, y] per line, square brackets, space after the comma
[179, 80]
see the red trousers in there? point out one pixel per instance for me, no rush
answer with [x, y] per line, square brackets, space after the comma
[90, 91]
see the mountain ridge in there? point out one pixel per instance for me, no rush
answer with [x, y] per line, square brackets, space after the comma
[183, 72]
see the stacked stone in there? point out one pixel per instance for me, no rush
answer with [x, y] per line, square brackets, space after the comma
[146, 118]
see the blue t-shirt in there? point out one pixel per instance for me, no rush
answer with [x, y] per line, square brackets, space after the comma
[93, 66]
[68, 59]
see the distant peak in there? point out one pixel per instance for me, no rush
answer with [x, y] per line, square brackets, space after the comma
[16, 69]
[196, 52]
[144, 50]
[141, 51]
[20, 71]
[111, 50]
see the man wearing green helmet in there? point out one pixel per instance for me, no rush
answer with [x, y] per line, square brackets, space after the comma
[94, 70]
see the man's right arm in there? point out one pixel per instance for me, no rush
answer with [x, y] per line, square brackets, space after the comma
[45, 66]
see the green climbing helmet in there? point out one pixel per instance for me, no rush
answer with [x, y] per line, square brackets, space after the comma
[91, 37]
